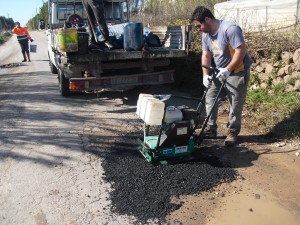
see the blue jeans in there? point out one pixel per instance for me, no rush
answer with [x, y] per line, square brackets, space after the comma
[235, 89]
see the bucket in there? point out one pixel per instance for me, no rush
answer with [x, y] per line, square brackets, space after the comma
[32, 48]
[133, 36]
[67, 40]
[173, 114]
[139, 102]
[154, 112]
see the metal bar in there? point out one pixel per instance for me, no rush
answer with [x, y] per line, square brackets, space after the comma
[147, 130]
[120, 65]
[90, 21]
[199, 111]
[297, 12]
[161, 129]
[74, 6]
[209, 114]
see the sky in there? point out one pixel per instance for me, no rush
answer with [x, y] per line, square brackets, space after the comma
[20, 10]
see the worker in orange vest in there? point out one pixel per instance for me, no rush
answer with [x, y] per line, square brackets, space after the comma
[23, 37]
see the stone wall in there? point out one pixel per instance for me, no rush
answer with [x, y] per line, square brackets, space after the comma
[286, 71]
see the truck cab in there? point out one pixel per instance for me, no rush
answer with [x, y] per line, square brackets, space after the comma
[61, 10]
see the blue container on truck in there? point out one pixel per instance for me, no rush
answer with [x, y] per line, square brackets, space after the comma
[133, 36]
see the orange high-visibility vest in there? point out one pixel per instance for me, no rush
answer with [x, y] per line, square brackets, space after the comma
[21, 33]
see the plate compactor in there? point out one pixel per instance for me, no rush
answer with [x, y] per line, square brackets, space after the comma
[174, 128]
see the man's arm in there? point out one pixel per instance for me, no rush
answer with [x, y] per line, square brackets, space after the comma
[206, 60]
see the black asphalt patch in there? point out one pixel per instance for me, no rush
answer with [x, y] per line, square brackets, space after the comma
[144, 191]
[11, 65]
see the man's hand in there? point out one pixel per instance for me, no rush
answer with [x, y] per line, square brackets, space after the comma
[207, 81]
[223, 73]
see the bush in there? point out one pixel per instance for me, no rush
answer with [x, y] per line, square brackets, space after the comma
[4, 37]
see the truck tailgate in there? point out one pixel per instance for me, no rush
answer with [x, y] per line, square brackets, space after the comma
[93, 83]
[119, 54]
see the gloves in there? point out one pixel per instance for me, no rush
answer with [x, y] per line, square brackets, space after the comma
[207, 81]
[223, 73]
[31, 40]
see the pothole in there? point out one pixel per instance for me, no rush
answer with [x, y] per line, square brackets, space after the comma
[145, 191]
[11, 65]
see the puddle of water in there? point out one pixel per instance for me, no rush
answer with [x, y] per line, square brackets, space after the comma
[249, 207]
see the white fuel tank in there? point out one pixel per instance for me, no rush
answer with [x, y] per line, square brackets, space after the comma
[173, 114]
[154, 112]
[139, 102]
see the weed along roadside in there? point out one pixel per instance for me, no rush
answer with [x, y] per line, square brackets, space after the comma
[273, 96]
[4, 37]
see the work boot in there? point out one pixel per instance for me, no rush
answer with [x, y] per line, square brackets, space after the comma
[231, 138]
[209, 132]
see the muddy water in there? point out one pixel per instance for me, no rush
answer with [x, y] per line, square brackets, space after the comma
[234, 203]
[251, 206]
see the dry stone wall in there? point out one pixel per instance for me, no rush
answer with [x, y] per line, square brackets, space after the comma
[286, 71]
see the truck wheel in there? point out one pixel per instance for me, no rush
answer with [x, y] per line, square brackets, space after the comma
[63, 84]
[53, 68]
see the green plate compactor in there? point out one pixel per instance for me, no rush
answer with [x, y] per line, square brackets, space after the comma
[169, 131]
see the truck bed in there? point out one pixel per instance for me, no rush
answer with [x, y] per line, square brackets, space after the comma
[120, 54]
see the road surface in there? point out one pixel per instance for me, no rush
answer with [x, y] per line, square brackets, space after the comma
[46, 175]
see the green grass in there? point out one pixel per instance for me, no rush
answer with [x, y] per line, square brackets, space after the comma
[277, 112]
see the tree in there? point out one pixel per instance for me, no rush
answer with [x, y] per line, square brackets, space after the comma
[6, 23]
[42, 14]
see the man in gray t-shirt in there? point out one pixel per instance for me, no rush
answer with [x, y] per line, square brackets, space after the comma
[223, 42]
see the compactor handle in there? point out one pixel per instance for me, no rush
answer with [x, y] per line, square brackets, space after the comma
[213, 70]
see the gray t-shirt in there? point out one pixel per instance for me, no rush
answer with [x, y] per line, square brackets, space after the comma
[228, 37]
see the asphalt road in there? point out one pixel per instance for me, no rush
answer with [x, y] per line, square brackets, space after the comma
[46, 176]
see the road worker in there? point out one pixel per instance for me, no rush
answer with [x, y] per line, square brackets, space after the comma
[23, 37]
[224, 42]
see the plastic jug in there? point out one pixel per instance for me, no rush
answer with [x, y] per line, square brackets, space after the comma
[173, 114]
[139, 102]
[144, 106]
[154, 112]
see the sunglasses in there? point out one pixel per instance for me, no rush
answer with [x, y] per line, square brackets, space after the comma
[198, 26]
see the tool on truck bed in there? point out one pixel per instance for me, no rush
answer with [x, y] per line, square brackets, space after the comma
[174, 136]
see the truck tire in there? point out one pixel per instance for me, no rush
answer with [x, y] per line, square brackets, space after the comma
[53, 68]
[63, 84]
